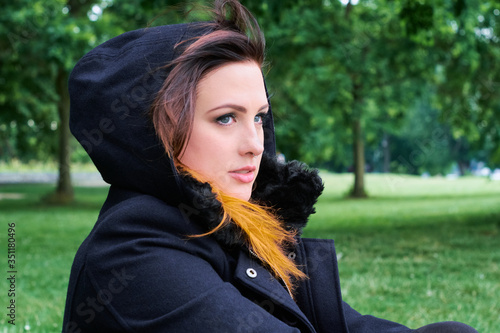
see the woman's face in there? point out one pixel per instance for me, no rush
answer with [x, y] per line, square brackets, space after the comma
[227, 138]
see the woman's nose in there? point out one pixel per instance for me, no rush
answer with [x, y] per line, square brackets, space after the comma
[252, 142]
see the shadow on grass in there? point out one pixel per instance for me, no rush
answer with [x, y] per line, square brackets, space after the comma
[15, 197]
[326, 198]
[487, 225]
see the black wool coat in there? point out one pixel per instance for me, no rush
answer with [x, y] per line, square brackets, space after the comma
[138, 270]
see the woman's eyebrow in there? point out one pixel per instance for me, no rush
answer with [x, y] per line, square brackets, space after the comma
[236, 107]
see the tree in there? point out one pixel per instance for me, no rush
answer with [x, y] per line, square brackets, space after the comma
[468, 74]
[341, 73]
[40, 43]
[41, 40]
[349, 74]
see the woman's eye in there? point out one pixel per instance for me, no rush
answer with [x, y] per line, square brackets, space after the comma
[259, 118]
[226, 119]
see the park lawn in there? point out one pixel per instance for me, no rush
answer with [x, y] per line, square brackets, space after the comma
[47, 238]
[418, 250]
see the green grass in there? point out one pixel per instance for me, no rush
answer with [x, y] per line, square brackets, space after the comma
[418, 251]
[47, 238]
[43, 166]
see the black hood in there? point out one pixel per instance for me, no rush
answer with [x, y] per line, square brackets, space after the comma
[111, 90]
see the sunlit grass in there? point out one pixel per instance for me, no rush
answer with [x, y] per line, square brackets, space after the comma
[47, 238]
[418, 250]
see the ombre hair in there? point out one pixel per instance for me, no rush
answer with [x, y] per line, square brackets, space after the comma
[233, 36]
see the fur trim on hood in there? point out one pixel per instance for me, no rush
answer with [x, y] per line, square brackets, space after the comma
[291, 189]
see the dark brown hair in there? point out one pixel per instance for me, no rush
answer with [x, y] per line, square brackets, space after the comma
[233, 36]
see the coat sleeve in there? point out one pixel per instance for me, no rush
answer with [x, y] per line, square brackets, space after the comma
[366, 323]
[138, 275]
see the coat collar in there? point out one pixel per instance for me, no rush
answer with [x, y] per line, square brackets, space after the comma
[250, 273]
[291, 189]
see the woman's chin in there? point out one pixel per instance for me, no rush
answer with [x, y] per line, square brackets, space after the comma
[241, 192]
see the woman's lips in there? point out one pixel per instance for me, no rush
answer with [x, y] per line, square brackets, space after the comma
[244, 175]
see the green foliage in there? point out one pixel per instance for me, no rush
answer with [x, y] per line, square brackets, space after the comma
[417, 17]
[470, 74]
[37, 40]
[426, 145]
[333, 64]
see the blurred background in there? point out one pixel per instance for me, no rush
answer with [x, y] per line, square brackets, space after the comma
[397, 102]
[371, 86]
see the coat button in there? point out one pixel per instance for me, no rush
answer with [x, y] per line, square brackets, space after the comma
[252, 273]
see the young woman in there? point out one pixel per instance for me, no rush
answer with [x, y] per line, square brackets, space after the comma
[201, 228]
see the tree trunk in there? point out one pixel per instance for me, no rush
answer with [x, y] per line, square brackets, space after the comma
[64, 191]
[7, 153]
[462, 167]
[460, 151]
[358, 190]
[387, 153]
